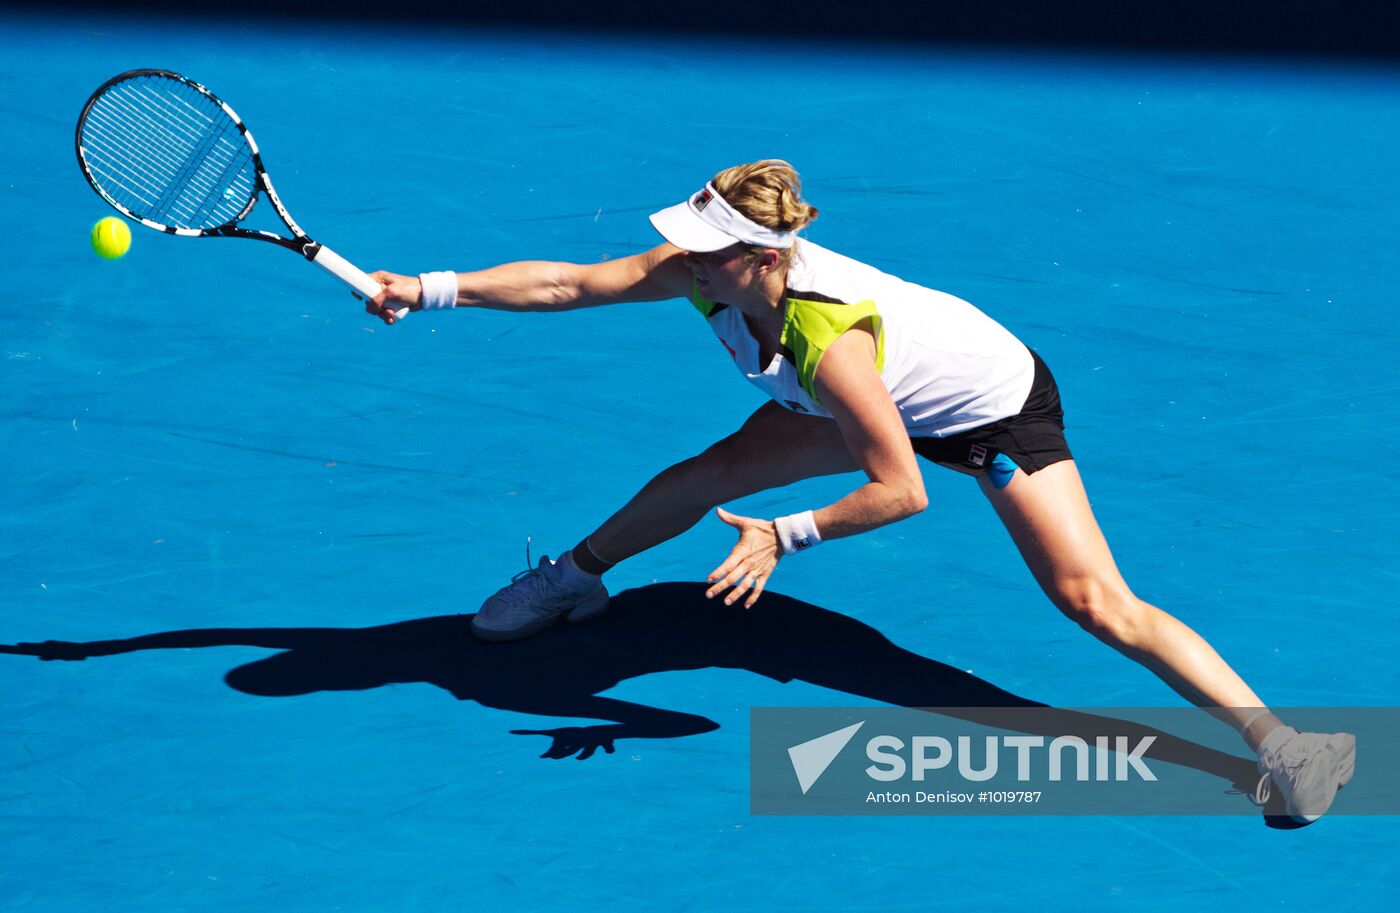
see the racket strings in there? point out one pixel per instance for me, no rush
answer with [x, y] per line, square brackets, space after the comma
[167, 152]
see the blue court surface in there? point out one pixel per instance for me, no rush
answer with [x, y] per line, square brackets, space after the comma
[269, 516]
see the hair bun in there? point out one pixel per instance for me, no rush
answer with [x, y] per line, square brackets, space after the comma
[769, 192]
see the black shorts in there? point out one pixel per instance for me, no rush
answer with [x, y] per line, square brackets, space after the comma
[1032, 438]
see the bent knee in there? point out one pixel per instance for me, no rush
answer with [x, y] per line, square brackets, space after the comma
[1105, 608]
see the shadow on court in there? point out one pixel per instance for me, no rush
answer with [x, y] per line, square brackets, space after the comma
[659, 628]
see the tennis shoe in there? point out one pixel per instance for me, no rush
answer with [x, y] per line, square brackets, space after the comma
[535, 599]
[1308, 768]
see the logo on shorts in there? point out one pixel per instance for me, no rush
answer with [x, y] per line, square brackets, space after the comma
[702, 199]
[978, 457]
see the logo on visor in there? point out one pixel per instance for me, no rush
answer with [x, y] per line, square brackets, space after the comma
[702, 199]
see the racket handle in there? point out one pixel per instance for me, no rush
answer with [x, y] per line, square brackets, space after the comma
[350, 274]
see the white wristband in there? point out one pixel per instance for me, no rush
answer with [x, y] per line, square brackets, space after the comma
[439, 290]
[797, 532]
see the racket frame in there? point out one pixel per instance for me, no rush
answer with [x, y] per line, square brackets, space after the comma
[300, 242]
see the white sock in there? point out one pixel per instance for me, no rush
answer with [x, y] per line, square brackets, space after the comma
[570, 575]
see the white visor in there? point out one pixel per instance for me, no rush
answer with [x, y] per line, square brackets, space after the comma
[706, 222]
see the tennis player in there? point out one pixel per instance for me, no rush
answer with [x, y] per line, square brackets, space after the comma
[864, 372]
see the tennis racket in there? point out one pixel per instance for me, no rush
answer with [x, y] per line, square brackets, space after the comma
[167, 152]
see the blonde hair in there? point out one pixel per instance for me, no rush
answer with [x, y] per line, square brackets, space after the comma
[768, 192]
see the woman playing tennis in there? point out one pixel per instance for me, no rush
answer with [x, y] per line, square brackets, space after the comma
[864, 372]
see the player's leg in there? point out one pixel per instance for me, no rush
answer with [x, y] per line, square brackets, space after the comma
[773, 448]
[1049, 518]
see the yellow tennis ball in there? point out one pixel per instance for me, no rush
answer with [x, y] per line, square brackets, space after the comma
[111, 238]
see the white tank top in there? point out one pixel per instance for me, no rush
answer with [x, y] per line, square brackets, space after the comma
[948, 367]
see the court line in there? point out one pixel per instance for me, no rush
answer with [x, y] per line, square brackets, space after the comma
[1182, 853]
[323, 460]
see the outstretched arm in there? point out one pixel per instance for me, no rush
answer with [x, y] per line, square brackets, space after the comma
[538, 285]
[274, 638]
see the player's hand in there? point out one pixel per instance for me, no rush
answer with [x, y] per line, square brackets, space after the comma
[578, 742]
[750, 564]
[51, 650]
[399, 292]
